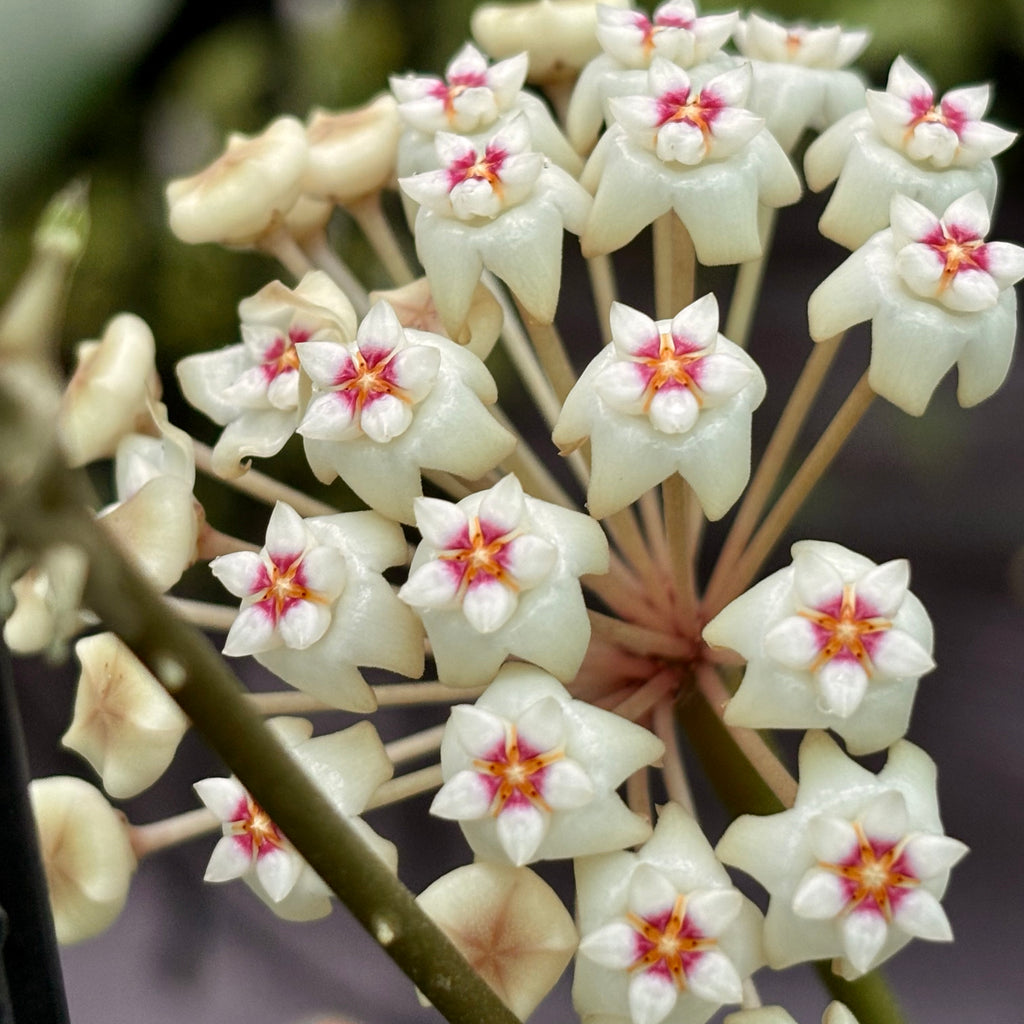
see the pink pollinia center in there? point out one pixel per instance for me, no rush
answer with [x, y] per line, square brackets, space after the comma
[875, 876]
[479, 555]
[670, 361]
[668, 944]
[367, 376]
[662, 21]
[514, 772]
[846, 627]
[281, 584]
[448, 92]
[924, 110]
[701, 110]
[253, 831]
[281, 357]
[482, 167]
[958, 248]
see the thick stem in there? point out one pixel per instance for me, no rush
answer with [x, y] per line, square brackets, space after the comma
[680, 509]
[47, 508]
[869, 998]
[779, 446]
[369, 215]
[675, 265]
[820, 458]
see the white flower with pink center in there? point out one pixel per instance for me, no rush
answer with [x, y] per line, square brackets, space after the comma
[498, 204]
[666, 396]
[666, 937]
[498, 574]
[385, 407]
[800, 76]
[698, 152]
[904, 142]
[936, 293]
[314, 604]
[858, 865]
[674, 32]
[530, 774]
[468, 99]
[252, 389]
[347, 766]
[833, 640]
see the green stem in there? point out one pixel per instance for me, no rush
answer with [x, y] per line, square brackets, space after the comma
[870, 999]
[46, 508]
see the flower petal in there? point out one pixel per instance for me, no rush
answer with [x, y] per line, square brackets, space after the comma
[864, 933]
[819, 896]
[612, 946]
[652, 997]
[464, 797]
[899, 656]
[714, 978]
[489, 604]
[252, 632]
[841, 684]
[793, 642]
[303, 623]
[920, 914]
[521, 828]
[278, 870]
[673, 410]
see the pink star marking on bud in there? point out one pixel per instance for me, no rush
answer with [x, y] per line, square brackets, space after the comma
[670, 361]
[959, 248]
[924, 110]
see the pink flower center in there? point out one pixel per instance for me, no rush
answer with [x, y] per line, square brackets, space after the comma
[959, 249]
[662, 21]
[923, 110]
[701, 111]
[847, 628]
[514, 771]
[448, 92]
[281, 585]
[671, 362]
[368, 376]
[253, 830]
[482, 167]
[668, 944]
[281, 357]
[480, 556]
[875, 877]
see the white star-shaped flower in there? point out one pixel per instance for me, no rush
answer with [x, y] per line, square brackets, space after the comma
[347, 766]
[800, 76]
[315, 605]
[936, 293]
[252, 389]
[665, 396]
[906, 143]
[666, 937]
[530, 774]
[393, 402]
[697, 152]
[831, 641]
[632, 42]
[498, 574]
[857, 867]
[500, 205]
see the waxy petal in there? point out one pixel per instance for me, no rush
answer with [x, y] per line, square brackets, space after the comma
[541, 726]
[252, 632]
[820, 896]
[899, 656]
[433, 585]
[612, 946]
[842, 684]
[241, 572]
[464, 797]
[815, 580]
[488, 605]
[864, 933]
[566, 786]
[385, 418]
[714, 978]
[228, 861]
[930, 856]
[885, 819]
[920, 914]
[479, 731]
[674, 410]
[302, 624]
[530, 559]
[278, 870]
[793, 642]
[520, 829]
[652, 997]
[651, 894]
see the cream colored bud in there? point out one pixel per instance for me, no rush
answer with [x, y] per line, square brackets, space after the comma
[238, 197]
[352, 153]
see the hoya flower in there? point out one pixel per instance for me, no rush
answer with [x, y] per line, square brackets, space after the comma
[86, 854]
[665, 936]
[315, 605]
[698, 152]
[632, 42]
[666, 396]
[530, 773]
[352, 153]
[238, 197]
[252, 389]
[509, 924]
[799, 72]
[936, 293]
[904, 142]
[414, 306]
[501, 206]
[857, 867]
[156, 520]
[393, 402]
[347, 766]
[834, 641]
[559, 36]
[498, 574]
[125, 724]
[108, 395]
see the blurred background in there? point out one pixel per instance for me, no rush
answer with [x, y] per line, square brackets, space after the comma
[130, 93]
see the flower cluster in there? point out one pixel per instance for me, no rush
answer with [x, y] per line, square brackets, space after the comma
[571, 637]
